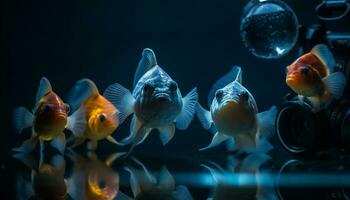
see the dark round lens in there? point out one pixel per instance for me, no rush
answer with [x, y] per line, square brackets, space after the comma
[296, 127]
[173, 86]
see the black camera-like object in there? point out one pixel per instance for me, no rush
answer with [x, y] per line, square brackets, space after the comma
[300, 130]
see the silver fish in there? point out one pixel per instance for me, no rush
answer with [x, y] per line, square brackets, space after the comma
[233, 111]
[156, 102]
[145, 185]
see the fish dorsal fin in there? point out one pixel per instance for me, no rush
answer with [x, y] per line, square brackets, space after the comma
[82, 90]
[325, 55]
[148, 60]
[44, 88]
[234, 75]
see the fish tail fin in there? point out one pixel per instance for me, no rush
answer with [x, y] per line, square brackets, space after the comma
[122, 99]
[22, 118]
[188, 109]
[325, 55]
[217, 139]
[27, 146]
[204, 116]
[77, 122]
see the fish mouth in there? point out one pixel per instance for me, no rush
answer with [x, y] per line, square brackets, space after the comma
[162, 96]
[229, 102]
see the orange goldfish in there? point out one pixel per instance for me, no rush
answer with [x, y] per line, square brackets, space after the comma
[311, 76]
[98, 113]
[93, 179]
[48, 120]
[47, 180]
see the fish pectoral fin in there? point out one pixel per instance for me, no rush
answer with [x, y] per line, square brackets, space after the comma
[325, 55]
[26, 159]
[217, 139]
[204, 116]
[140, 136]
[77, 141]
[335, 83]
[27, 146]
[188, 109]
[59, 163]
[122, 99]
[43, 89]
[80, 92]
[147, 62]
[59, 143]
[266, 122]
[166, 180]
[134, 183]
[234, 75]
[111, 158]
[122, 196]
[166, 133]
[77, 122]
[22, 118]
[182, 193]
[113, 140]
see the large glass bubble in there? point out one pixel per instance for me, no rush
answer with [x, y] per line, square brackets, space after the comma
[269, 28]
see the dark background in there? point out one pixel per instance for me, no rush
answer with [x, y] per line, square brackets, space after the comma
[196, 42]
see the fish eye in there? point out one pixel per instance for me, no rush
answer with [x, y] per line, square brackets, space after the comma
[102, 118]
[244, 95]
[67, 108]
[102, 184]
[148, 87]
[46, 107]
[304, 71]
[173, 86]
[219, 94]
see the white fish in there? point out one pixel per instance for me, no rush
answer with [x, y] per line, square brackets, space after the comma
[156, 102]
[233, 111]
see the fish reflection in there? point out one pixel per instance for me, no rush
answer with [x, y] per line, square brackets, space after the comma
[241, 180]
[47, 180]
[93, 178]
[145, 186]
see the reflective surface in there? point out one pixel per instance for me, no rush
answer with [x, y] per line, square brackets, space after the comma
[254, 176]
